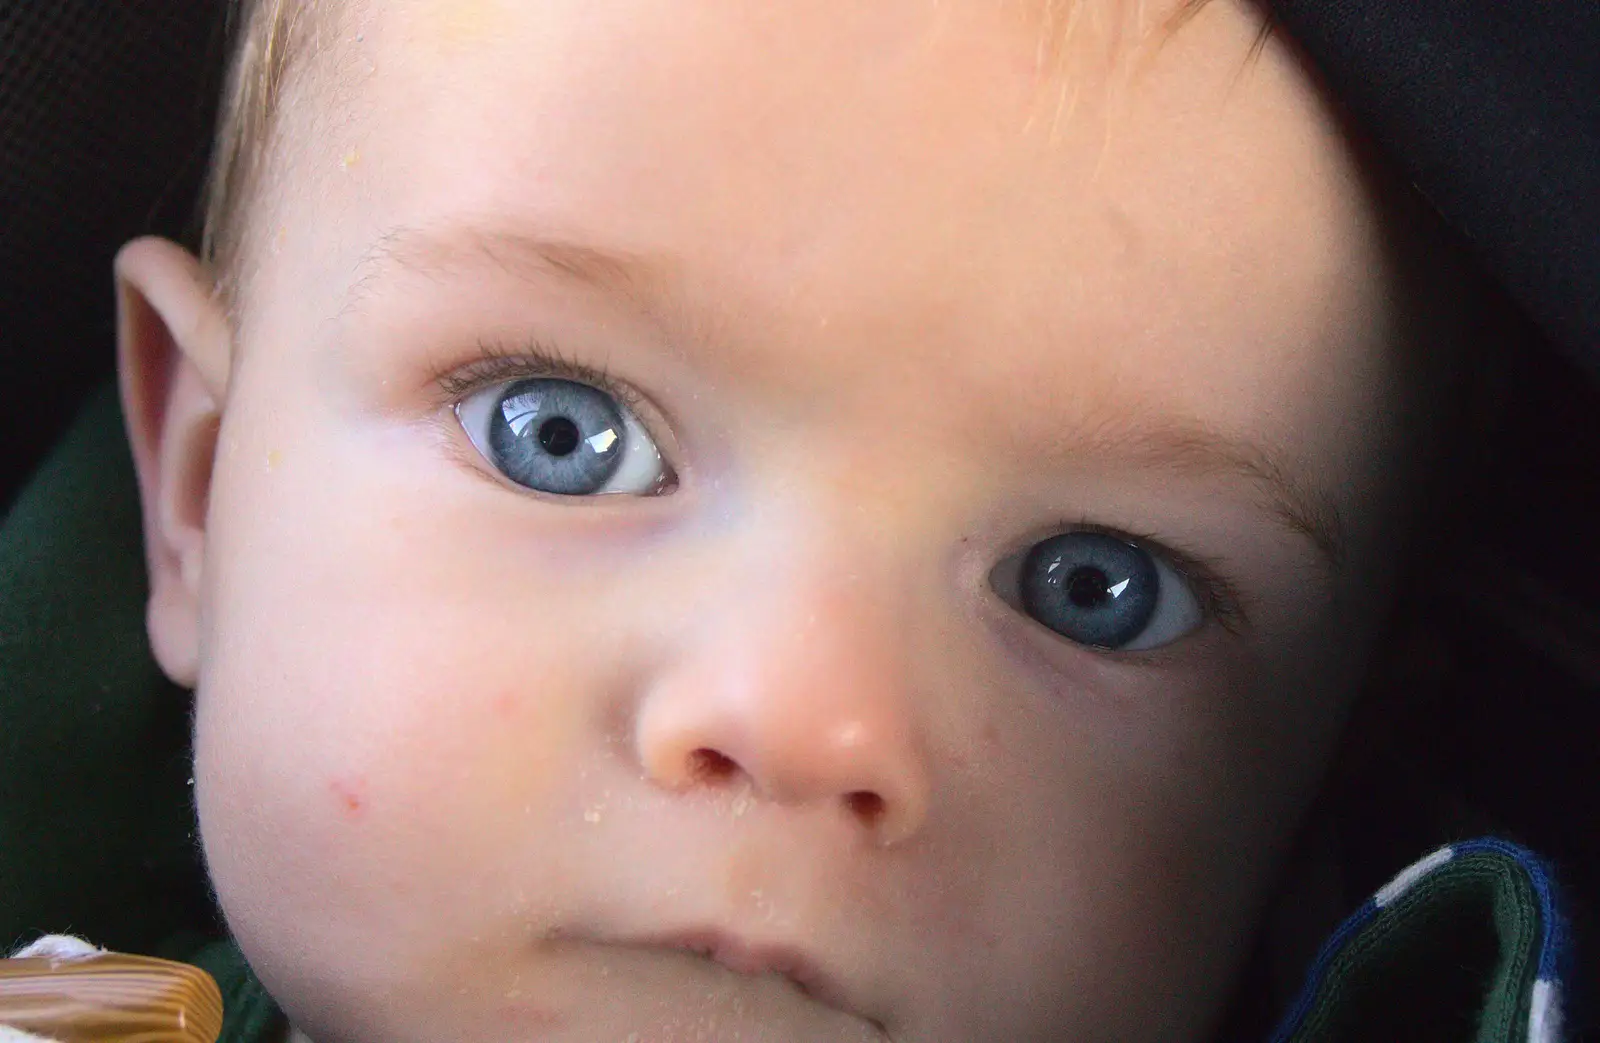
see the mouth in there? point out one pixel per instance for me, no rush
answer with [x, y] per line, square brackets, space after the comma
[751, 961]
[755, 960]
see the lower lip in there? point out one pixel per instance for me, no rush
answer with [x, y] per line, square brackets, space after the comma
[720, 953]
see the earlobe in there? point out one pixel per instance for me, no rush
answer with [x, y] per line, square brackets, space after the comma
[173, 356]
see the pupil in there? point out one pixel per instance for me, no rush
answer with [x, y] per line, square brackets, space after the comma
[1087, 587]
[559, 436]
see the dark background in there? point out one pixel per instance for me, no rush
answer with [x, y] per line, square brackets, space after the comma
[105, 113]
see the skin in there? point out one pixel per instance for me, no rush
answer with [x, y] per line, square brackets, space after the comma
[450, 733]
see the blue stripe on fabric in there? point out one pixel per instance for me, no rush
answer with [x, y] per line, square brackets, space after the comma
[1319, 969]
[1554, 940]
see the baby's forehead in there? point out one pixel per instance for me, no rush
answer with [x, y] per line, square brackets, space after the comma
[823, 98]
[332, 47]
[898, 133]
[802, 86]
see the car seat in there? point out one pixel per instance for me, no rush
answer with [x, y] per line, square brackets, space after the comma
[105, 113]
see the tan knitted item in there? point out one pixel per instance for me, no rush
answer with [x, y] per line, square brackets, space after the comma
[62, 990]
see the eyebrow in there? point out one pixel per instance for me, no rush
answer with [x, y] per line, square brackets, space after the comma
[435, 254]
[1190, 447]
[1183, 446]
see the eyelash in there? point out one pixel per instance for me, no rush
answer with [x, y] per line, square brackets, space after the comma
[498, 362]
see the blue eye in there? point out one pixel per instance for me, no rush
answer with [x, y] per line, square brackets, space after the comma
[562, 437]
[1105, 592]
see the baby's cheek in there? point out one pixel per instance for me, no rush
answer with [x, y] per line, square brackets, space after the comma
[1143, 822]
[395, 763]
[376, 726]
[384, 822]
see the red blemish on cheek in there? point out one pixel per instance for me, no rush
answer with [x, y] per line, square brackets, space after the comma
[505, 705]
[351, 793]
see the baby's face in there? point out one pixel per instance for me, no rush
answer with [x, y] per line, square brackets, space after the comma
[930, 625]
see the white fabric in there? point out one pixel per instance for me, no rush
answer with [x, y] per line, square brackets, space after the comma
[57, 947]
[1544, 1019]
[11, 1035]
[1408, 877]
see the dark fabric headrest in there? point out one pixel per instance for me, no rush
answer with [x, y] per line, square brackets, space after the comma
[1492, 110]
[105, 115]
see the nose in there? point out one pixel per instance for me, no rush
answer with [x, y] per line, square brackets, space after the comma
[802, 694]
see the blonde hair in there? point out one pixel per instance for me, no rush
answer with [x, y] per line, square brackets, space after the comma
[269, 39]
[262, 34]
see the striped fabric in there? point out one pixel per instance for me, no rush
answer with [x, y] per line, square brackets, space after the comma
[1412, 942]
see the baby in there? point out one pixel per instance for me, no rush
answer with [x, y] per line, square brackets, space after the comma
[772, 521]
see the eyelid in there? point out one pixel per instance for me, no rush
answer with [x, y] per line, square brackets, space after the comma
[498, 363]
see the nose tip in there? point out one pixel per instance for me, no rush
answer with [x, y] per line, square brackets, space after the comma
[869, 773]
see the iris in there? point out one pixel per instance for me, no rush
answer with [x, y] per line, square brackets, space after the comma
[1091, 588]
[556, 436]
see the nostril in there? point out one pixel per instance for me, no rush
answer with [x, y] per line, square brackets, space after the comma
[707, 765]
[866, 806]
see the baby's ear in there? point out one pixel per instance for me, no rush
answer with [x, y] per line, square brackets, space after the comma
[173, 355]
